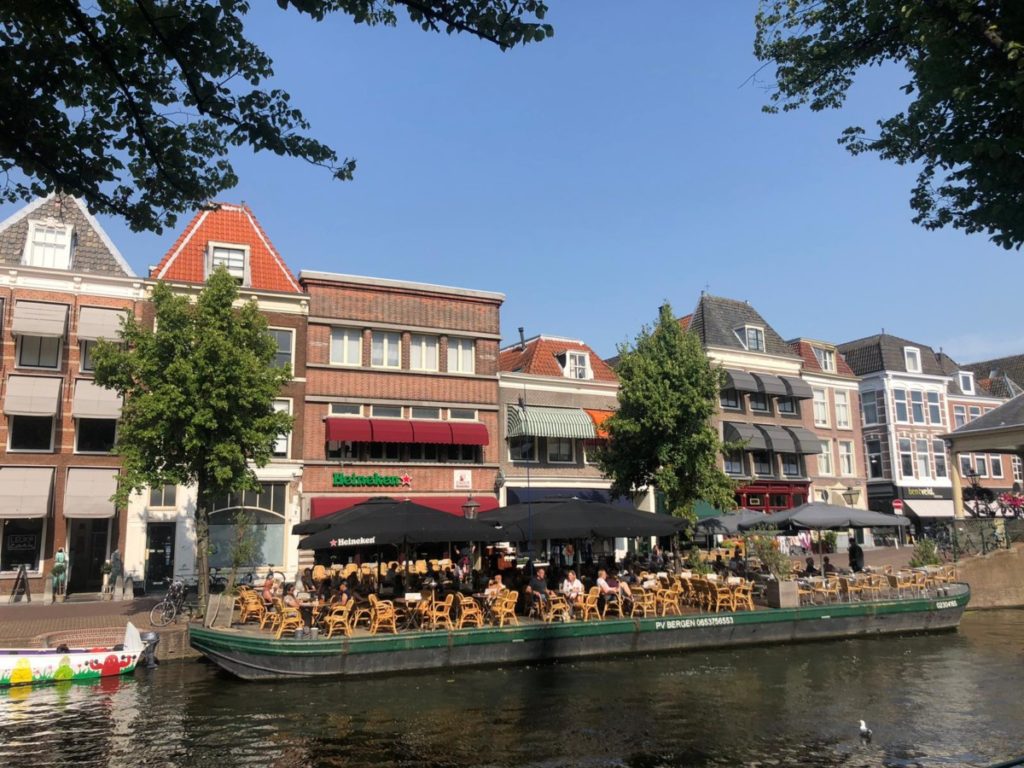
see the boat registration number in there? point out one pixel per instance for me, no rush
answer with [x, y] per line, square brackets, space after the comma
[945, 604]
[705, 621]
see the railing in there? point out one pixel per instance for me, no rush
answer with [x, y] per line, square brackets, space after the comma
[970, 536]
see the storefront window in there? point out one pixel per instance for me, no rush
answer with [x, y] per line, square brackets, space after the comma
[21, 544]
[266, 530]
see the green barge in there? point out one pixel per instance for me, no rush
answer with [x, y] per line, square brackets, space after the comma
[252, 655]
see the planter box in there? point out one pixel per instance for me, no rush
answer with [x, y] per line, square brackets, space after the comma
[782, 594]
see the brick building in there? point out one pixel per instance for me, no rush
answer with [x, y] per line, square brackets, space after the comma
[554, 394]
[63, 285]
[764, 404]
[401, 393]
[161, 525]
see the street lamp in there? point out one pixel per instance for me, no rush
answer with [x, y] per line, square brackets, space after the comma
[471, 507]
[851, 495]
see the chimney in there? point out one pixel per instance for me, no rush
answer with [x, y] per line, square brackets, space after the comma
[522, 338]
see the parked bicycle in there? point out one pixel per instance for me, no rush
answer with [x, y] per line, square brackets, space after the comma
[173, 605]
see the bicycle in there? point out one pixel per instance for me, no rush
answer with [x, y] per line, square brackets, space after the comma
[172, 606]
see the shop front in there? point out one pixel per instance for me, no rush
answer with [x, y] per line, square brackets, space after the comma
[768, 496]
[25, 503]
[90, 518]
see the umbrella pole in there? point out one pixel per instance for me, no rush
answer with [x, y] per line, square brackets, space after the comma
[821, 554]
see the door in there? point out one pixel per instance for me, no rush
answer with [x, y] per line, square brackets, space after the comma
[159, 554]
[88, 549]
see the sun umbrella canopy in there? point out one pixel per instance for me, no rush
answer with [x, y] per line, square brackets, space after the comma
[577, 519]
[379, 522]
[731, 522]
[821, 516]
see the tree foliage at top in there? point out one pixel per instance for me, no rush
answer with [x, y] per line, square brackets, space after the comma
[661, 435]
[198, 397]
[963, 127]
[134, 106]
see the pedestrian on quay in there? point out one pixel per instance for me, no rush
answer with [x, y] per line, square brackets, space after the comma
[856, 556]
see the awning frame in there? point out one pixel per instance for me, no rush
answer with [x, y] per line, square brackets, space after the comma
[546, 421]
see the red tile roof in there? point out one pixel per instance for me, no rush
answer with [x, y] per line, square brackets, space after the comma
[226, 223]
[684, 321]
[540, 358]
[806, 351]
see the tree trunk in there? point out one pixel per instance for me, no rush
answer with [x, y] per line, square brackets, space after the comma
[202, 548]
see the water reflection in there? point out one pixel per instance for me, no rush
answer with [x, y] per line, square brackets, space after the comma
[945, 700]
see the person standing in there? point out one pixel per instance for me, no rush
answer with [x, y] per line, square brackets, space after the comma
[856, 556]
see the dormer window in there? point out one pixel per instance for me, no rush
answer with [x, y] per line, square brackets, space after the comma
[826, 359]
[751, 337]
[912, 358]
[967, 382]
[234, 258]
[577, 365]
[49, 244]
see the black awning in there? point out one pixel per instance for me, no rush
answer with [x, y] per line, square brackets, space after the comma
[736, 432]
[741, 381]
[798, 388]
[807, 443]
[779, 440]
[770, 385]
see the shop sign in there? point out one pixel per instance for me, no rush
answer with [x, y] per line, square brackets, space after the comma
[463, 479]
[342, 480]
[927, 493]
[21, 542]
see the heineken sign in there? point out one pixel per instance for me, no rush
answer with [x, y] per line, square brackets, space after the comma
[342, 480]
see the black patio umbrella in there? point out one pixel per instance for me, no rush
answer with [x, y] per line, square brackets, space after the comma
[317, 524]
[730, 523]
[380, 522]
[577, 519]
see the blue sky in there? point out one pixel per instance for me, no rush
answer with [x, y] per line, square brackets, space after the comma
[614, 166]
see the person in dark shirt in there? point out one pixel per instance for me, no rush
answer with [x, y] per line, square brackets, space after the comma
[810, 570]
[856, 556]
[827, 566]
[539, 587]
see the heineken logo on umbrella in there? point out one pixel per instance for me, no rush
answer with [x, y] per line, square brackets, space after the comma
[354, 542]
[375, 480]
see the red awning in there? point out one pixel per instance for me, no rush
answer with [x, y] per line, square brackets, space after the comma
[469, 433]
[319, 506]
[349, 430]
[453, 504]
[432, 432]
[599, 418]
[391, 431]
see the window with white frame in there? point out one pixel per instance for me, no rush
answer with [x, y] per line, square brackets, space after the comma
[981, 464]
[283, 339]
[846, 464]
[283, 441]
[30, 433]
[974, 412]
[163, 496]
[386, 349]
[1018, 469]
[424, 412]
[461, 355]
[876, 468]
[49, 245]
[912, 358]
[906, 446]
[934, 409]
[560, 450]
[820, 407]
[751, 337]
[346, 346]
[231, 257]
[85, 349]
[729, 398]
[522, 448]
[577, 365]
[826, 359]
[762, 463]
[939, 454]
[785, 404]
[923, 466]
[346, 409]
[591, 450]
[462, 414]
[386, 411]
[734, 463]
[995, 462]
[790, 465]
[95, 435]
[966, 468]
[39, 351]
[842, 408]
[966, 382]
[899, 398]
[423, 352]
[959, 416]
[825, 458]
[869, 408]
[22, 543]
[759, 402]
[917, 406]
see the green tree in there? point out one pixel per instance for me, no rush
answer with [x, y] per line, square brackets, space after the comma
[963, 126]
[134, 106]
[198, 399]
[661, 434]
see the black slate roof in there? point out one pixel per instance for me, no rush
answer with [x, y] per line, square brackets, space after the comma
[884, 352]
[716, 318]
[1009, 414]
[1006, 374]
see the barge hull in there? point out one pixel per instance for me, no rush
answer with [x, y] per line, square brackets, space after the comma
[258, 657]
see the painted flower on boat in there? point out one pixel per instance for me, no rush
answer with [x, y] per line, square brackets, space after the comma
[64, 671]
[22, 672]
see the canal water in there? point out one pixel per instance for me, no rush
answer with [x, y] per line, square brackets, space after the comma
[944, 700]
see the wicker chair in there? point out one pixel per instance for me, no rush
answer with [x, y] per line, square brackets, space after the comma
[339, 617]
[555, 608]
[505, 608]
[590, 605]
[469, 613]
[743, 597]
[441, 613]
[250, 607]
[644, 603]
[290, 618]
[382, 615]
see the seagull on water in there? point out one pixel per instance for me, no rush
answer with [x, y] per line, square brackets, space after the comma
[865, 732]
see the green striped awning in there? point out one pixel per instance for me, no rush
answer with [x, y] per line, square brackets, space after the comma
[542, 421]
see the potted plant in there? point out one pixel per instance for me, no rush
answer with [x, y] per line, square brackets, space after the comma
[781, 591]
[58, 573]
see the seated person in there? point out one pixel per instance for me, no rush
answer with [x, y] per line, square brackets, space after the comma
[608, 592]
[290, 600]
[268, 588]
[810, 570]
[494, 587]
[719, 564]
[736, 563]
[307, 581]
[622, 587]
[341, 597]
[572, 588]
[827, 566]
[539, 585]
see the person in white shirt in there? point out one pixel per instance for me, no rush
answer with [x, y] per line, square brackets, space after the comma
[572, 588]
